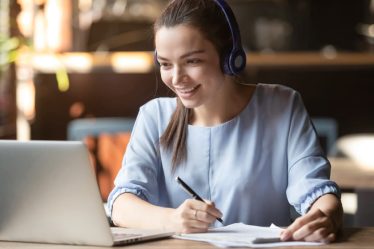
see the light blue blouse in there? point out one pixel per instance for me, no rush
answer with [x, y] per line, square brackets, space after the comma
[253, 166]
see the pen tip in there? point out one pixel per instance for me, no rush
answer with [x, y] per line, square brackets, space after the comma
[220, 220]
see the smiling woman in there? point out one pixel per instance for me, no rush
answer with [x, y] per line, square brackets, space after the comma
[189, 65]
[216, 126]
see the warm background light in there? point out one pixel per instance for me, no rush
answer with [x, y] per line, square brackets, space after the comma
[132, 62]
[78, 62]
[58, 25]
[360, 148]
[48, 23]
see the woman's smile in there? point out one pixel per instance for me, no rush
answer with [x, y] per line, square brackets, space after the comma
[186, 92]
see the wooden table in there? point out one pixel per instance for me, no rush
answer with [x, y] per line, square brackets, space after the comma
[360, 181]
[350, 238]
[348, 175]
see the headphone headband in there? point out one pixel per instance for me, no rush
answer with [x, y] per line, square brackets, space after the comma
[231, 21]
[235, 61]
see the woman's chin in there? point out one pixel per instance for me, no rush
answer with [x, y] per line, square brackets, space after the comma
[189, 103]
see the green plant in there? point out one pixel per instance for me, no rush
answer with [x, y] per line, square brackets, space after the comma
[9, 51]
[9, 48]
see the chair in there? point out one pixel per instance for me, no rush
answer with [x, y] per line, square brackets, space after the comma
[106, 139]
[78, 129]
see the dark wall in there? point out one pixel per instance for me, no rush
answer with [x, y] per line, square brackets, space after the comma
[284, 25]
[346, 94]
[120, 36]
[100, 95]
[302, 24]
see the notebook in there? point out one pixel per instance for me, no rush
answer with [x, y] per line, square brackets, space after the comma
[49, 194]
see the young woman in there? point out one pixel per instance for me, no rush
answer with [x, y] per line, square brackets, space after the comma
[249, 149]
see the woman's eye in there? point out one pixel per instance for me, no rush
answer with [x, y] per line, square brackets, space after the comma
[164, 64]
[193, 61]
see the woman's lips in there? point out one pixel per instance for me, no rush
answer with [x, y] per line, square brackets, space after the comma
[186, 92]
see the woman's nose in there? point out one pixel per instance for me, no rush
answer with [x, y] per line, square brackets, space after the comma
[177, 75]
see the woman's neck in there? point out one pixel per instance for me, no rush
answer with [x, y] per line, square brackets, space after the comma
[234, 98]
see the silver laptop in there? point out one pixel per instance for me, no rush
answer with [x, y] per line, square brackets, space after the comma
[49, 194]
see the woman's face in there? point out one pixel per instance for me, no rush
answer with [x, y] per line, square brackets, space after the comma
[190, 65]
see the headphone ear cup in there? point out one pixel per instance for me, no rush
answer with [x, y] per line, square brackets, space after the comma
[234, 62]
[237, 61]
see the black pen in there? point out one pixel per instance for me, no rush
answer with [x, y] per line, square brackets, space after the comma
[192, 193]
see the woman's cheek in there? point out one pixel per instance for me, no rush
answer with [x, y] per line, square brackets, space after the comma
[166, 78]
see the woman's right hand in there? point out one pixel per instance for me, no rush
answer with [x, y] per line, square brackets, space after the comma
[193, 216]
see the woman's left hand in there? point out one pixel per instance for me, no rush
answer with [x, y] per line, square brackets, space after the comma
[320, 224]
[313, 226]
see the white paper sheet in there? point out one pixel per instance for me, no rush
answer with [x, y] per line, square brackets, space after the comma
[241, 235]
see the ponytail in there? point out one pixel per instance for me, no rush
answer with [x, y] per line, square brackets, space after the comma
[175, 136]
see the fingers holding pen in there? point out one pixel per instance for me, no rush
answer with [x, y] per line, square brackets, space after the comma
[206, 211]
[194, 216]
[202, 211]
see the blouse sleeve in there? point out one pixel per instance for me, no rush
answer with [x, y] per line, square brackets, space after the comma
[308, 168]
[140, 164]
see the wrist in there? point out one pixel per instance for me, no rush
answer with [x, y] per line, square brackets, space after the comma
[166, 221]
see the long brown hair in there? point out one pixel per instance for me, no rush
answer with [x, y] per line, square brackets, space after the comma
[208, 18]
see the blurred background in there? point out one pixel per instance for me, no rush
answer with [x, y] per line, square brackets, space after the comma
[75, 69]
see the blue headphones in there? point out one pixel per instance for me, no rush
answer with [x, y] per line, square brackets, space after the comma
[235, 60]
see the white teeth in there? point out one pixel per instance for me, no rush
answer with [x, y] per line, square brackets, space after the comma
[186, 90]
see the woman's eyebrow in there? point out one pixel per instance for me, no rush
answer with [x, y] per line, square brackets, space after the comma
[183, 56]
[192, 53]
